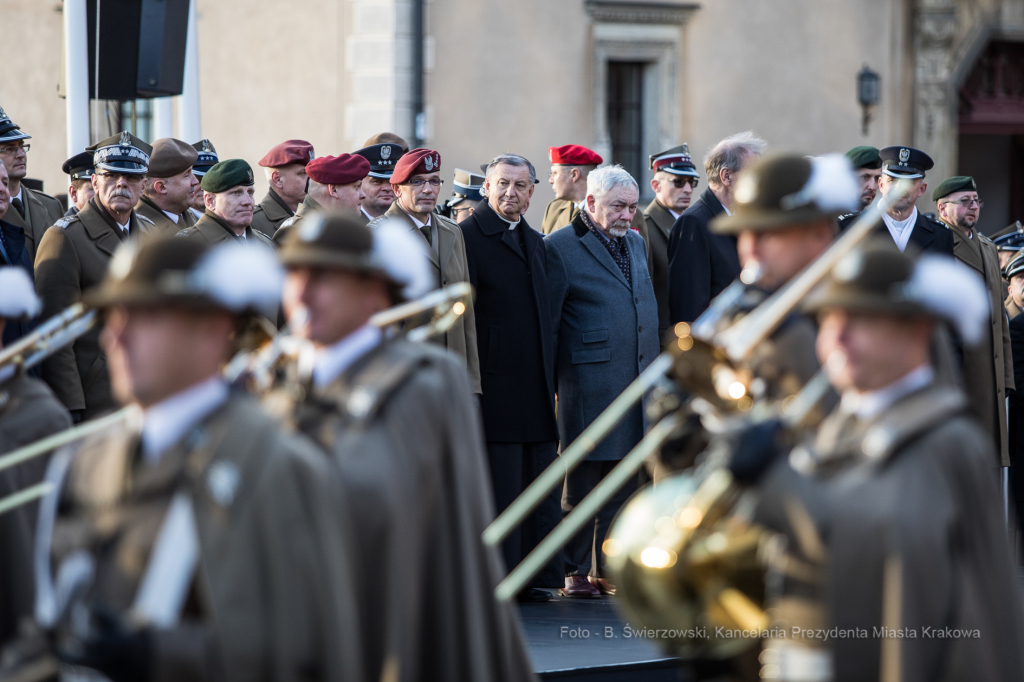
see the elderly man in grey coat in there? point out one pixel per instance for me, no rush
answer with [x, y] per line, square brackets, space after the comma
[605, 318]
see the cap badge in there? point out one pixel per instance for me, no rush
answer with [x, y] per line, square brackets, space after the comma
[207, 147]
[310, 230]
[310, 154]
[904, 156]
[222, 481]
[251, 179]
[2, 114]
[385, 152]
[428, 162]
[126, 139]
[973, 184]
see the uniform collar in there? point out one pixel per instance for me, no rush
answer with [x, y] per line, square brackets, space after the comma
[869, 404]
[330, 362]
[167, 422]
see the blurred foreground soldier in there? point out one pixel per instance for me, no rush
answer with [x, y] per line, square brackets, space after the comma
[675, 179]
[285, 167]
[228, 193]
[867, 164]
[377, 186]
[605, 319]
[902, 221]
[417, 184]
[207, 543]
[467, 195]
[80, 168]
[73, 257]
[400, 424]
[28, 412]
[892, 516]
[30, 210]
[170, 186]
[1014, 274]
[570, 166]
[507, 268]
[702, 264]
[988, 367]
[207, 159]
[335, 185]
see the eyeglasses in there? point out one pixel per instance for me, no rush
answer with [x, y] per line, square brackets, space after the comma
[967, 201]
[128, 177]
[15, 148]
[680, 183]
[419, 182]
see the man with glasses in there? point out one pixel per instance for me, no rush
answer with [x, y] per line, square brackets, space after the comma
[73, 256]
[675, 179]
[416, 182]
[30, 210]
[987, 367]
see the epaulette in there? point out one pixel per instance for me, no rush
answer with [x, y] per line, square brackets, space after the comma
[845, 216]
[185, 232]
[142, 217]
[984, 239]
[64, 222]
[288, 223]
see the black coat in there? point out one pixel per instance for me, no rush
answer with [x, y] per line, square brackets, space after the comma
[513, 325]
[927, 235]
[700, 263]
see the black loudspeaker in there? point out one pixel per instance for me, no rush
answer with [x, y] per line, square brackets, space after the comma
[141, 48]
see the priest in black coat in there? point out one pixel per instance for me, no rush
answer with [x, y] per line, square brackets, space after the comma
[516, 343]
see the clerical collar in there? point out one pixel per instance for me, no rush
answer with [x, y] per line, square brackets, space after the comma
[511, 225]
[330, 362]
[870, 404]
[167, 422]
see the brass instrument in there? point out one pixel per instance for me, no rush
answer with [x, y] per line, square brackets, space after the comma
[49, 337]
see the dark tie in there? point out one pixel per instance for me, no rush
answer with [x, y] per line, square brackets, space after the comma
[426, 233]
[16, 203]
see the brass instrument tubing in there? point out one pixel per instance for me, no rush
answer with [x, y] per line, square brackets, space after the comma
[24, 496]
[41, 447]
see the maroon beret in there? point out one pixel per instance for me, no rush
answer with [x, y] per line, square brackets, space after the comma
[415, 162]
[287, 153]
[342, 169]
[573, 155]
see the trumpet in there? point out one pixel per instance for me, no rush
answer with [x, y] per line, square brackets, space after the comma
[49, 337]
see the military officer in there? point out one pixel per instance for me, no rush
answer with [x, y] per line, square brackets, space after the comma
[80, 168]
[73, 256]
[570, 165]
[206, 160]
[892, 517]
[902, 221]
[30, 210]
[228, 193]
[867, 164]
[335, 185]
[28, 412]
[377, 185]
[675, 179]
[1008, 246]
[1014, 274]
[170, 185]
[417, 183]
[402, 429]
[467, 193]
[988, 367]
[285, 167]
[212, 538]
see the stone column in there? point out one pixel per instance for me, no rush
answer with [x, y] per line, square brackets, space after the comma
[935, 123]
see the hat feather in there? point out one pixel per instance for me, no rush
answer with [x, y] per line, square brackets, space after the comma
[953, 291]
[403, 256]
[833, 185]
[241, 276]
[17, 294]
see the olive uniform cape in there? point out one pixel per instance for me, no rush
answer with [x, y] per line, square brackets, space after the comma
[41, 211]
[901, 529]
[404, 434]
[270, 213]
[271, 597]
[71, 258]
[988, 367]
[212, 230]
[28, 412]
[450, 265]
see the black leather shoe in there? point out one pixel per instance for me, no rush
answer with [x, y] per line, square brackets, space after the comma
[532, 594]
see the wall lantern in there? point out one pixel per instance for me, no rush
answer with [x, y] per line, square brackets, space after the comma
[867, 94]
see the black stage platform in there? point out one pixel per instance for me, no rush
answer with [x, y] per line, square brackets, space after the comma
[584, 639]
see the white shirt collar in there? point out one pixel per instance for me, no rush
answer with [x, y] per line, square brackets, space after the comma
[124, 228]
[167, 422]
[727, 211]
[370, 217]
[901, 229]
[870, 404]
[330, 362]
[172, 216]
[675, 216]
[416, 221]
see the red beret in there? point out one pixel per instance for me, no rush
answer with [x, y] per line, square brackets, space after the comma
[415, 162]
[342, 169]
[288, 152]
[573, 155]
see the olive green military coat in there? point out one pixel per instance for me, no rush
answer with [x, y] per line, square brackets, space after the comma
[270, 213]
[212, 230]
[159, 223]
[272, 596]
[561, 212]
[659, 227]
[41, 211]
[308, 205]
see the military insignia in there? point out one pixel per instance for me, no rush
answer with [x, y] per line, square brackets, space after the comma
[206, 146]
[310, 154]
[385, 153]
[126, 139]
[222, 481]
[904, 156]
[251, 179]
[64, 222]
[974, 185]
[2, 114]
[144, 219]
[428, 162]
[310, 229]
[360, 402]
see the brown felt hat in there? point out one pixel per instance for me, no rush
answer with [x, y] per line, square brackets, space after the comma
[332, 241]
[871, 279]
[171, 157]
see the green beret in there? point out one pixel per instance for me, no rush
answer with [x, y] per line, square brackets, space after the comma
[227, 174]
[957, 183]
[864, 157]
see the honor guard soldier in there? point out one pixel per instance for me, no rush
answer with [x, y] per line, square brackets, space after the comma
[902, 221]
[228, 193]
[675, 179]
[467, 193]
[30, 209]
[335, 186]
[891, 515]
[73, 257]
[401, 427]
[80, 168]
[207, 159]
[867, 164]
[28, 412]
[170, 186]
[987, 368]
[417, 184]
[1014, 274]
[206, 543]
[285, 167]
[377, 185]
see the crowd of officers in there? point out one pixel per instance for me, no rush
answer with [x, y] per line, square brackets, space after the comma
[329, 528]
